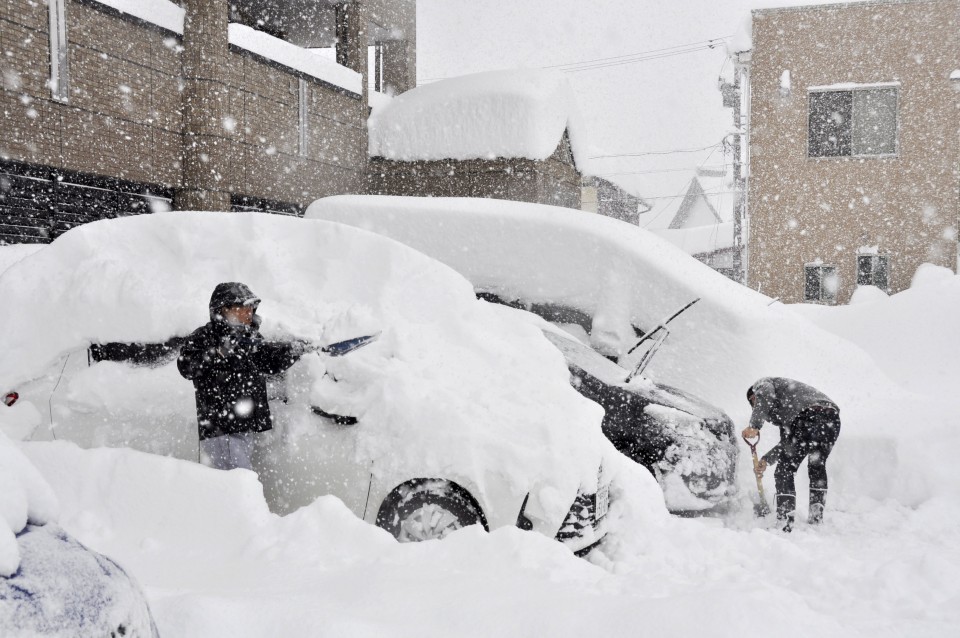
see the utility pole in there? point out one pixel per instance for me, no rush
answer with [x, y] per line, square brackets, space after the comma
[735, 96]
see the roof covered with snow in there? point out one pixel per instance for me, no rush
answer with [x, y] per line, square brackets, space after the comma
[499, 114]
[163, 13]
[699, 239]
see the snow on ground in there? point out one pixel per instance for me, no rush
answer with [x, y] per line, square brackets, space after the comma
[215, 562]
[519, 113]
[11, 254]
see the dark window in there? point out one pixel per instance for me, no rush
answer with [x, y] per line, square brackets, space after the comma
[819, 283]
[872, 270]
[853, 123]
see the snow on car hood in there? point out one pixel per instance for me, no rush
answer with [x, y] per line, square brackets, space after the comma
[449, 382]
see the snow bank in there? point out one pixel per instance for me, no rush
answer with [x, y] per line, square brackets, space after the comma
[700, 239]
[290, 55]
[623, 275]
[519, 113]
[24, 498]
[450, 384]
[11, 254]
[162, 13]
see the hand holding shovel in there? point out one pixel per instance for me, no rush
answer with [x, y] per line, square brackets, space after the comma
[759, 465]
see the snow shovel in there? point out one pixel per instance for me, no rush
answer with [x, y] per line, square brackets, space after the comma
[760, 509]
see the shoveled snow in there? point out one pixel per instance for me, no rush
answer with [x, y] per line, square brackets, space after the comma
[298, 58]
[510, 114]
[162, 13]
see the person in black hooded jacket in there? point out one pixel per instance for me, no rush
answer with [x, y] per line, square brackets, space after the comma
[228, 361]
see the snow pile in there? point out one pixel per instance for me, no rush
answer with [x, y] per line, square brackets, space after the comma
[162, 13]
[11, 254]
[866, 294]
[298, 58]
[24, 498]
[911, 335]
[623, 276]
[449, 382]
[518, 113]
[699, 239]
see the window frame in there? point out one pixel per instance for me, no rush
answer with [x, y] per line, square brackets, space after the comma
[853, 89]
[822, 298]
[875, 259]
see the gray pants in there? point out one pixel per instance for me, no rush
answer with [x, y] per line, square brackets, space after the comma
[228, 451]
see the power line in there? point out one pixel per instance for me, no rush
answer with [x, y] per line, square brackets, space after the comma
[629, 58]
[711, 42]
[665, 170]
[676, 150]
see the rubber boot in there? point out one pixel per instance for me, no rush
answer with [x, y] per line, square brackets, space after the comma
[786, 505]
[818, 499]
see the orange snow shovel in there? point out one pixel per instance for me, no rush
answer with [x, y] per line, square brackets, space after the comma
[760, 509]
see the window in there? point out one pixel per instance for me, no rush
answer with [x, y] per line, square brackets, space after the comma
[820, 283]
[59, 76]
[858, 122]
[873, 270]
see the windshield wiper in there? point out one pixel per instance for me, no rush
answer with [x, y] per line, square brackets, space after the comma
[662, 332]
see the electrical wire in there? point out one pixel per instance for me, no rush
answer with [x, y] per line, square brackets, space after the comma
[670, 152]
[712, 42]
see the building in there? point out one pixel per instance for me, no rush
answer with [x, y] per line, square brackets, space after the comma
[700, 220]
[502, 134]
[602, 196]
[114, 107]
[854, 146]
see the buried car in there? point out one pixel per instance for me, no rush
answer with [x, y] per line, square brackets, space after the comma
[421, 432]
[583, 274]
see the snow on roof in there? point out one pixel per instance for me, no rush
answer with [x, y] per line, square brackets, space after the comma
[162, 13]
[512, 114]
[707, 198]
[699, 239]
[290, 55]
[839, 86]
[955, 74]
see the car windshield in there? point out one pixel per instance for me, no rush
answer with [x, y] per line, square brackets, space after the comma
[588, 359]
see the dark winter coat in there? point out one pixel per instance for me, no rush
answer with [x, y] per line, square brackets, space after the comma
[228, 365]
[787, 404]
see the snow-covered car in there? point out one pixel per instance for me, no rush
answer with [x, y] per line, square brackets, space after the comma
[462, 416]
[50, 584]
[688, 444]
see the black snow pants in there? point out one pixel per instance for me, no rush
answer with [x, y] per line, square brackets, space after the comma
[812, 436]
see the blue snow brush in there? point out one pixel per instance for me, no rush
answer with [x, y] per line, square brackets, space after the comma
[341, 348]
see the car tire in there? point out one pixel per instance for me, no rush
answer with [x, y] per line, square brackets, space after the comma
[428, 509]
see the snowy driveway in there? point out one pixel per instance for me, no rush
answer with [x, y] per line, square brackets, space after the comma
[219, 564]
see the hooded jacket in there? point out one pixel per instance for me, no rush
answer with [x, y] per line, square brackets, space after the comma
[228, 365]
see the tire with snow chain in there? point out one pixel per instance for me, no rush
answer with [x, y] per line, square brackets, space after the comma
[427, 509]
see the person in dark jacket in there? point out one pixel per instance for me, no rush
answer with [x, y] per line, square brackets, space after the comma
[809, 423]
[228, 361]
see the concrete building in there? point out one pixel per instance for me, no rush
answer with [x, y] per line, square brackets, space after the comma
[602, 196]
[113, 107]
[854, 146]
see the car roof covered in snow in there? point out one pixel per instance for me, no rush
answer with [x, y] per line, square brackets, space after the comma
[509, 114]
[448, 385]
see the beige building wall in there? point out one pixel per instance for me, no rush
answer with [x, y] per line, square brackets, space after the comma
[804, 209]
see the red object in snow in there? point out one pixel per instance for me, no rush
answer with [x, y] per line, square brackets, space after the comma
[10, 399]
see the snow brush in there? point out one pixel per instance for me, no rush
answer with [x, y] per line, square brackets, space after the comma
[760, 509]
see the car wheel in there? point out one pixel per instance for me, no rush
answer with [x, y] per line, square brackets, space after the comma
[428, 509]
